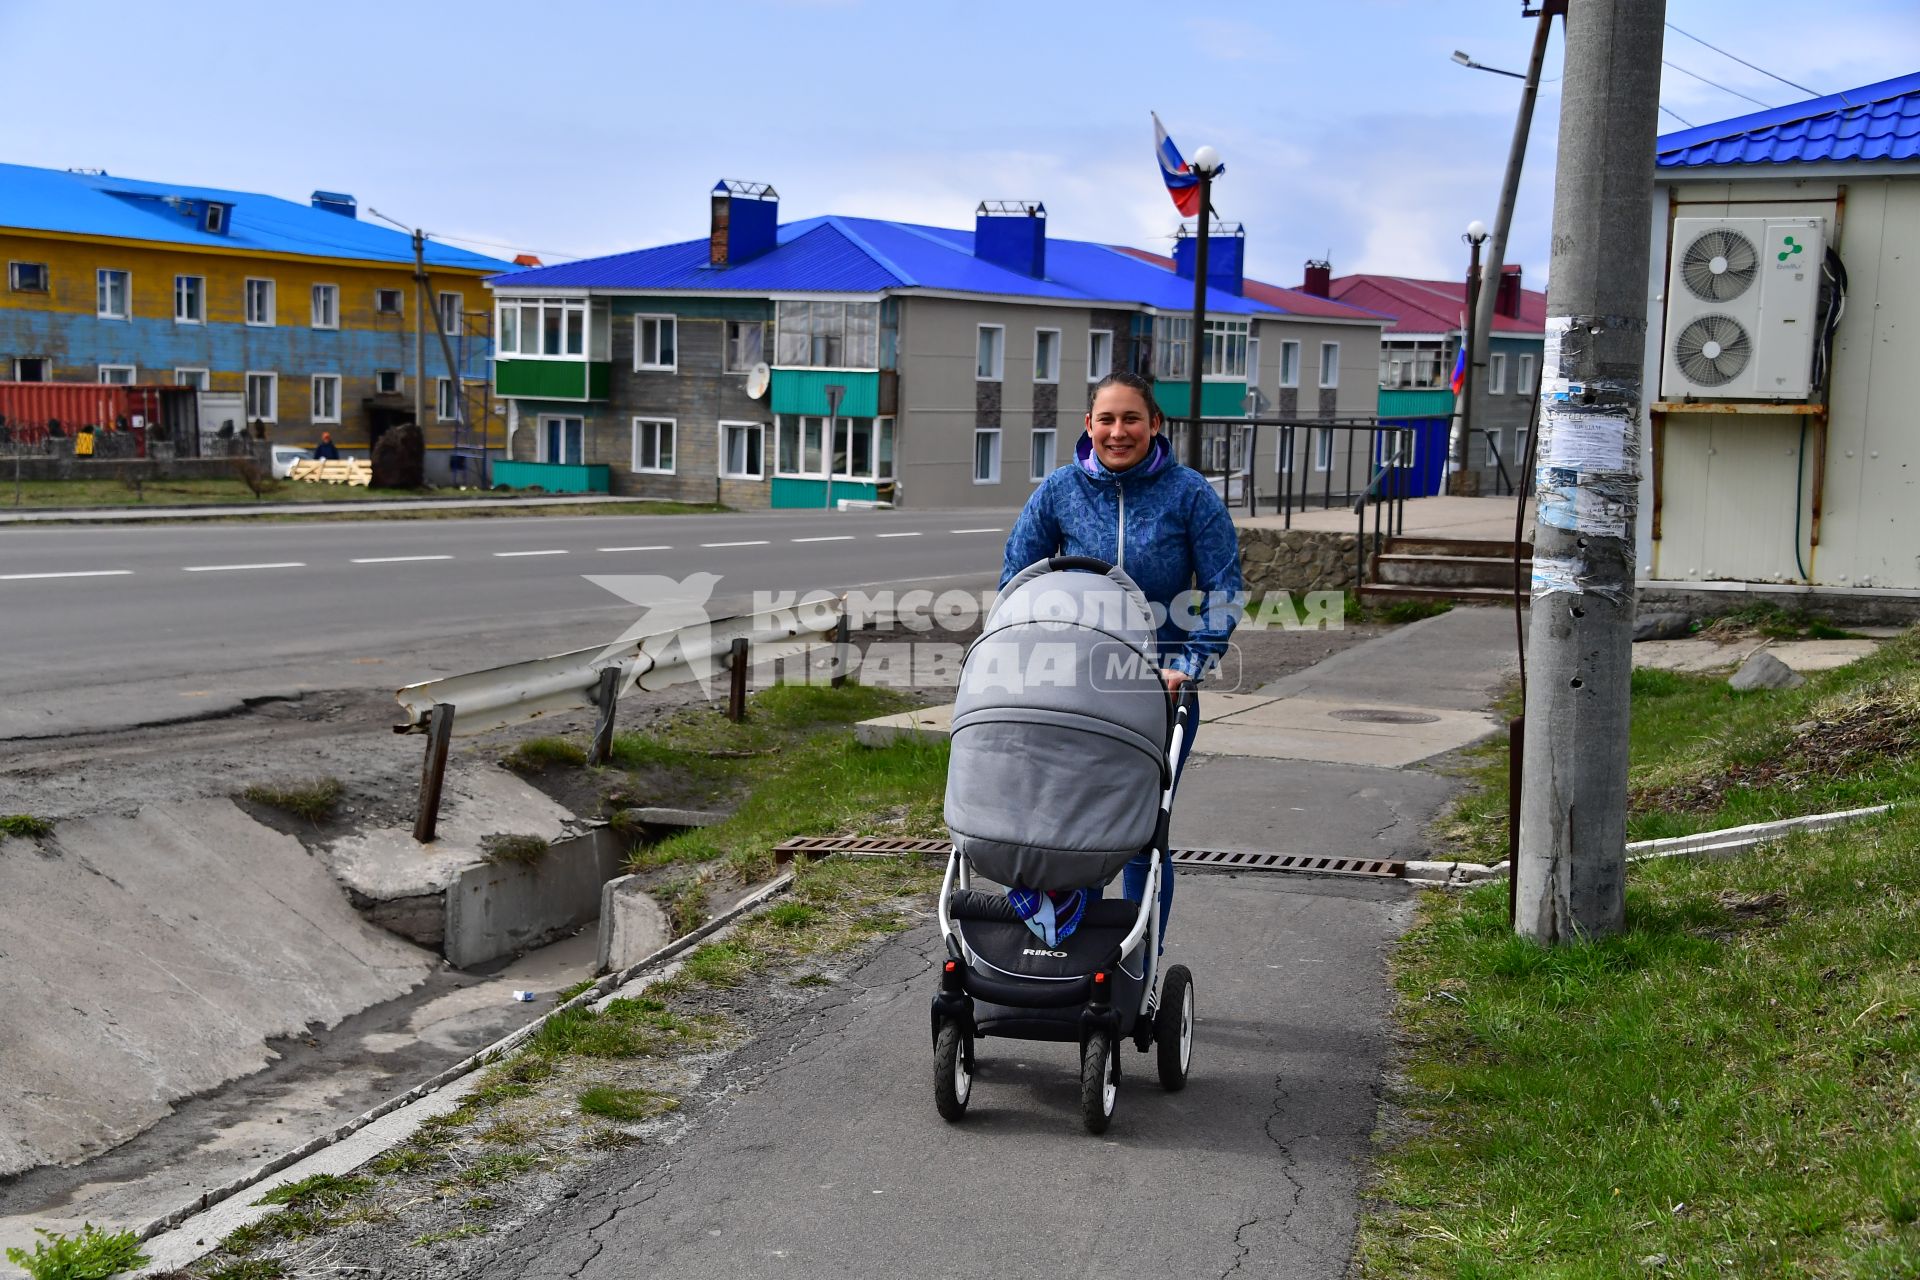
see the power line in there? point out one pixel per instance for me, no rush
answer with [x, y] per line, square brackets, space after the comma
[1677, 116]
[518, 248]
[1743, 62]
[1722, 88]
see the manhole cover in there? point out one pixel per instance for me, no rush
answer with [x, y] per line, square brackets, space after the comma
[1378, 715]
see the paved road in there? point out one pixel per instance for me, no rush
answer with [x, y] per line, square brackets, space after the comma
[829, 1159]
[108, 626]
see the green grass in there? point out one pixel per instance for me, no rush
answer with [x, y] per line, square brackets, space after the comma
[403, 1160]
[92, 1255]
[24, 825]
[496, 1168]
[536, 754]
[322, 1190]
[314, 799]
[1729, 1086]
[720, 964]
[520, 850]
[685, 900]
[1702, 757]
[250, 1269]
[626, 1028]
[1778, 623]
[232, 491]
[626, 1104]
[567, 993]
[465, 1231]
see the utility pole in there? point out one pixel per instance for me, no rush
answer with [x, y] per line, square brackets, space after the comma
[1463, 403]
[419, 328]
[1496, 254]
[1206, 163]
[1571, 872]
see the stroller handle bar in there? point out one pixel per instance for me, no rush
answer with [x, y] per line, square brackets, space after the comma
[1083, 564]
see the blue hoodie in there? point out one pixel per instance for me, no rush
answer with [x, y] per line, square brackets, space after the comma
[1178, 538]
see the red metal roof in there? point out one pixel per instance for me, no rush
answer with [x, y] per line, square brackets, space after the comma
[1432, 306]
[1296, 301]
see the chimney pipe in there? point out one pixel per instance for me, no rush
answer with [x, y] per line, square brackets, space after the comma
[1319, 281]
[1507, 301]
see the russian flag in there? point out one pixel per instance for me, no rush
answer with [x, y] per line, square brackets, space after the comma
[1183, 184]
[1459, 378]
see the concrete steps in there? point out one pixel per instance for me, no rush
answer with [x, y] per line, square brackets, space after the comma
[1461, 570]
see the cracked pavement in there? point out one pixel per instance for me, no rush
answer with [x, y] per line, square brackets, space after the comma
[821, 1153]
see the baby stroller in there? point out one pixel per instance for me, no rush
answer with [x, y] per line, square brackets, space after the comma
[1063, 753]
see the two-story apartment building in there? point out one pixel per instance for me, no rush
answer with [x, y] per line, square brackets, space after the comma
[300, 316]
[703, 370]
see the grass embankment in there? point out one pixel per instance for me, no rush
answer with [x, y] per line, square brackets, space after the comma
[51, 495]
[1731, 1087]
[1702, 757]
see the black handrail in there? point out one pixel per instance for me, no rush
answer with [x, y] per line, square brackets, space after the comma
[1370, 494]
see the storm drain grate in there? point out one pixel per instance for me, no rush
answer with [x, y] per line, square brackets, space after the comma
[1208, 859]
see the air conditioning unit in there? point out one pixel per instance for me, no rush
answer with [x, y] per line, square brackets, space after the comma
[1741, 294]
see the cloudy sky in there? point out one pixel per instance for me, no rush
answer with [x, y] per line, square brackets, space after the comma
[581, 129]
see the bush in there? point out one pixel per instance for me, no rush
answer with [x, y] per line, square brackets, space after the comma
[400, 458]
[92, 1255]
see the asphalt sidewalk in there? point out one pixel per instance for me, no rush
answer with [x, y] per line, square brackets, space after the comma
[828, 1159]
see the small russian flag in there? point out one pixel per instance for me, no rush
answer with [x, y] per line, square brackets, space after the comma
[1459, 378]
[1183, 184]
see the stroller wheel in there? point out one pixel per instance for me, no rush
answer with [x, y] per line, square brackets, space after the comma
[1099, 1081]
[952, 1072]
[1173, 1028]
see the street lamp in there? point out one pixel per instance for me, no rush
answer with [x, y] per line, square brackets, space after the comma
[1465, 61]
[1475, 236]
[1206, 163]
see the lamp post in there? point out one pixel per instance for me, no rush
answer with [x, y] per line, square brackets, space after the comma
[835, 393]
[1465, 61]
[1206, 163]
[1475, 236]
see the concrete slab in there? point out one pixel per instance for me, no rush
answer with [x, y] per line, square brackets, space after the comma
[1701, 655]
[632, 925]
[1295, 806]
[920, 722]
[149, 958]
[1436, 517]
[1275, 743]
[503, 909]
[1217, 706]
[1455, 660]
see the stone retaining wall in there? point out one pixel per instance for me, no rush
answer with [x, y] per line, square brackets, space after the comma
[1297, 560]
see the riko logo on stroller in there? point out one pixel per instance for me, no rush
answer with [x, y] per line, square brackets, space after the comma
[1063, 751]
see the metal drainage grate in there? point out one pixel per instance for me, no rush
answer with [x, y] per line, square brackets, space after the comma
[1208, 859]
[1380, 715]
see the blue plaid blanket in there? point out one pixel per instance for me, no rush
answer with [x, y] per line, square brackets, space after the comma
[1052, 914]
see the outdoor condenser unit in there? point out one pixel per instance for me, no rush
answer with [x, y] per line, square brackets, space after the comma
[1741, 294]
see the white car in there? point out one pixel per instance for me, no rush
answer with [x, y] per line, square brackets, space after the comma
[284, 456]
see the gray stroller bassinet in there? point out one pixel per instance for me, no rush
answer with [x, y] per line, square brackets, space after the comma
[1064, 744]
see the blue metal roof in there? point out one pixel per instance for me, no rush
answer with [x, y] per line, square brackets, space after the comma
[1874, 122]
[102, 205]
[873, 255]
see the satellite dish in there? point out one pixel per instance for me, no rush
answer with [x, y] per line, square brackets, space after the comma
[759, 380]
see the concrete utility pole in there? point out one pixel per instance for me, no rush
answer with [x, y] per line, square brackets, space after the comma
[1571, 874]
[1481, 341]
[419, 329]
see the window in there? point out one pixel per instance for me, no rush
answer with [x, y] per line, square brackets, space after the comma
[1289, 364]
[653, 445]
[1497, 374]
[1323, 449]
[1329, 364]
[801, 444]
[263, 397]
[388, 302]
[30, 369]
[259, 302]
[1253, 362]
[326, 397]
[1046, 355]
[1040, 462]
[740, 445]
[326, 306]
[653, 343]
[189, 299]
[828, 335]
[386, 382]
[1223, 352]
[991, 363]
[1099, 354]
[986, 455]
[1525, 384]
[446, 398]
[195, 378]
[562, 440]
[883, 449]
[118, 375]
[113, 295]
[1172, 340]
[450, 309]
[216, 220]
[744, 345]
[545, 327]
[863, 449]
[27, 277]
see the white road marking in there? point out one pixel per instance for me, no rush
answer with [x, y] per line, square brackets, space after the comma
[896, 535]
[397, 559]
[507, 554]
[660, 548]
[761, 543]
[973, 531]
[76, 573]
[223, 568]
[838, 537]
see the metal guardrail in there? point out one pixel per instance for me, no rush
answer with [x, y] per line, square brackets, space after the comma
[598, 677]
[1193, 859]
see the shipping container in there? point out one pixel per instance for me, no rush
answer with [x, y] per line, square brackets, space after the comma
[31, 411]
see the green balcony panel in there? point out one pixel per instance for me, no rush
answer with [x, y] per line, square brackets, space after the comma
[790, 492]
[554, 477]
[804, 391]
[1217, 399]
[553, 379]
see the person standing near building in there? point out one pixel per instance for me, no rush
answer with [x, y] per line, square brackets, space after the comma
[326, 451]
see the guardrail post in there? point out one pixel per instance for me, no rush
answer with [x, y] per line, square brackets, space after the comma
[433, 771]
[737, 680]
[606, 696]
[840, 652]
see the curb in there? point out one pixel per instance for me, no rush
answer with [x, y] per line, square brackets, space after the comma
[157, 511]
[1723, 843]
[214, 1196]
